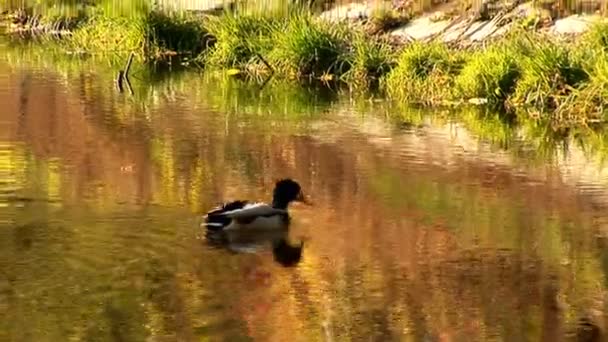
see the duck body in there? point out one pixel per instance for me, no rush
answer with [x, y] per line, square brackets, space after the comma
[246, 216]
[242, 215]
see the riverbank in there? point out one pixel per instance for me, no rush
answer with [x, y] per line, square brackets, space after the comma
[530, 74]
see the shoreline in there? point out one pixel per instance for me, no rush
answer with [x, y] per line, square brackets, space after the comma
[524, 73]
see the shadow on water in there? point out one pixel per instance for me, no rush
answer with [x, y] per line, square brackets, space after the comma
[454, 226]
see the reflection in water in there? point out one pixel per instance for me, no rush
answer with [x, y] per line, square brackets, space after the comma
[284, 252]
[418, 232]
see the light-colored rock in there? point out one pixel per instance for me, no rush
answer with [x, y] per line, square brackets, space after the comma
[431, 24]
[421, 28]
[485, 30]
[189, 5]
[574, 24]
[353, 11]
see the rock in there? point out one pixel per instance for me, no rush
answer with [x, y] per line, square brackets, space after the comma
[421, 28]
[194, 6]
[352, 11]
[574, 24]
[478, 101]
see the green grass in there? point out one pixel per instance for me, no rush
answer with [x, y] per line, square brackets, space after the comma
[119, 35]
[177, 32]
[596, 39]
[490, 74]
[424, 73]
[147, 35]
[370, 59]
[240, 39]
[311, 47]
[550, 71]
[386, 19]
[588, 105]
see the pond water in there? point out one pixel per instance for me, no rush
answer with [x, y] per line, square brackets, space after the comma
[420, 230]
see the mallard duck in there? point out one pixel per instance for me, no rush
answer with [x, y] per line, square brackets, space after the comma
[243, 215]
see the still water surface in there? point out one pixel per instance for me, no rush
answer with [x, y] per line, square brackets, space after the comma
[418, 232]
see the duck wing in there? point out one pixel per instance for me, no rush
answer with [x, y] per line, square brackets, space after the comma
[250, 211]
[215, 220]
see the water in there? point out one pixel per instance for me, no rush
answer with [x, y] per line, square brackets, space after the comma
[417, 232]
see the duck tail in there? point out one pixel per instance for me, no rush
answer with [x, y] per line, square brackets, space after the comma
[215, 221]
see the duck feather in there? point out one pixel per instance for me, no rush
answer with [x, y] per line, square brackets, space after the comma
[253, 210]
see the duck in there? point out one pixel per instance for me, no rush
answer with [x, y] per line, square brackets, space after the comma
[243, 215]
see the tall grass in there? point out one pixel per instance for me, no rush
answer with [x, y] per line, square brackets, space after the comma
[309, 46]
[177, 32]
[240, 39]
[371, 58]
[119, 35]
[147, 35]
[489, 74]
[424, 73]
[550, 72]
[589, 104]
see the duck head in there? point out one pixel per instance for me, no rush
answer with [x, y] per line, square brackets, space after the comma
[285, 192]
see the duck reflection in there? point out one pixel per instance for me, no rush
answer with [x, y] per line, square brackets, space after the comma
[285, 252]
[587, 331]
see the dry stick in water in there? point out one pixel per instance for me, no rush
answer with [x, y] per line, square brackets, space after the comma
[265, 63]
[123, 76]
[128, 67]
[119, 80]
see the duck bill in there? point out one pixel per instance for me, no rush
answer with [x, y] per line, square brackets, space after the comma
[302, 199]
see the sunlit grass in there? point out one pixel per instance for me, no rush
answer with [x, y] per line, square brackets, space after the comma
[146, 35]
[240, 39]
[588, 104]
[491, 74]
[309, 46]
[370, 59]
[424, 73]
[549, 73]
[385, 19]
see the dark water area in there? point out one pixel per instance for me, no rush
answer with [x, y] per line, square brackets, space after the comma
[419, 231]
